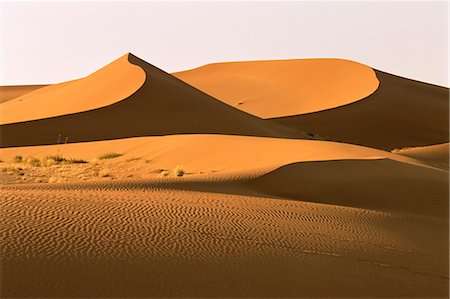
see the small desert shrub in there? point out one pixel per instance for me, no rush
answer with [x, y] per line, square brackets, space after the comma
[104, 174]
[52, 160]
[35, 162]
[164, 173]
[76, 161]
[178, 170]
[109, 156]
[133, 159]
[12, 169]
[17, 159]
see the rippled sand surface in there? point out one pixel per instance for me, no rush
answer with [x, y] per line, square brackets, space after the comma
[119, 240]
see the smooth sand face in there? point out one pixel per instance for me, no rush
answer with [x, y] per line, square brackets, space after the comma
[284, 87]
[109, 85]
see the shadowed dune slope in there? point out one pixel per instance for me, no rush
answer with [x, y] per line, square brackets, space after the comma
[384, 185]
[436, 155]
[110, 84]
[400, 113]
[10, 92]
[277, 88]
[163, 105]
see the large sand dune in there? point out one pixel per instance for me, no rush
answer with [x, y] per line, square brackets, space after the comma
[400, 113]
[276, 88]
[162, 105]
[337, 99]
[111, 84]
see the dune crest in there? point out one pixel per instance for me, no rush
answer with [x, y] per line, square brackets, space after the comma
[110, 84]
[277, 88]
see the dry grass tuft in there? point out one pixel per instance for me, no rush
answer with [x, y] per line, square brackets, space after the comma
[178, 171]
[18, 159]
[109, 156]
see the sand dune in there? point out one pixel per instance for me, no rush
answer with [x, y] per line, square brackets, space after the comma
[277, 88]
[400, 113]
[206, 153]
[113, 83]
[336, 99]
[163, 105]
[10, 92]
[436, 155]
[383, 185]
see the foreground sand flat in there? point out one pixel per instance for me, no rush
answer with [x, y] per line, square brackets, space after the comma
[123, 241]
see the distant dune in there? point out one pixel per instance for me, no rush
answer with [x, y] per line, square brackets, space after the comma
[332, 98]
[278, 88]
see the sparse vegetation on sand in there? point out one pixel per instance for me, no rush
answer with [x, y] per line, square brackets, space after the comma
[57, 159]
[35, 162]
[164, 173]
[178, 171]
[109, 156]
[104, 174]
[18, 159]
[133, 159]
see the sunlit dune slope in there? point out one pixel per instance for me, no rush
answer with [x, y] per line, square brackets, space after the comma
[162, 105]
[277, 88]
[110, 84]
[308, 170]
[437, 155]
[212, 153]
[10, 92]
[400, 113]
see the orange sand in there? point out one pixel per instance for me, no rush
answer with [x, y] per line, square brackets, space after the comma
[277, 88]
[258, 212]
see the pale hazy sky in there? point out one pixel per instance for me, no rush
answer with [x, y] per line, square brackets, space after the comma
[49, 42]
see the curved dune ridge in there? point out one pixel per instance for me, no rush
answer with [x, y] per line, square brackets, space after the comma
[436, 155]
[113, 83]
[277, 88]
[213, 152]
[347, 174]
[10, 92]
[400, 113]
[162, 105]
